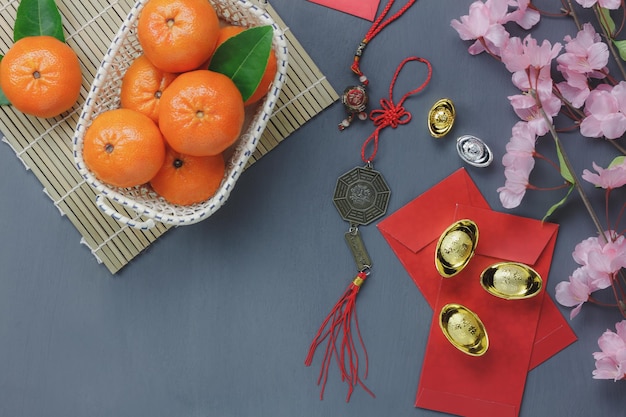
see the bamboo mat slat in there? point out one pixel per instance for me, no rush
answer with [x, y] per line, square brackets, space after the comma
[44, 146]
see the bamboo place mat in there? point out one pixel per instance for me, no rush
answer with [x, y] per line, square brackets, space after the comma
[45, 145]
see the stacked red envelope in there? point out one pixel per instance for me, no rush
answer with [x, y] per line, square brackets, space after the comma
[522, 333]
[365, 9]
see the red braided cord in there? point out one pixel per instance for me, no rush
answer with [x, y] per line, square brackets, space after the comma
[376, 27]
[393, 114]
[346, 355]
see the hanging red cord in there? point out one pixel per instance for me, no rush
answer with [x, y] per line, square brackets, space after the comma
[354, 98]
[378, 25]
[392, 114]
[338, 320]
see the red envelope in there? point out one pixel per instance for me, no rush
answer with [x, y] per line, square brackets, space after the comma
[412, 232]
[365, 9]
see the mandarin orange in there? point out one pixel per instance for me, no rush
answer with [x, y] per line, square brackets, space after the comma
[201, 113]
[142, 87]
[123, 148]
[178, 35]
[41, 76]
[185, 179]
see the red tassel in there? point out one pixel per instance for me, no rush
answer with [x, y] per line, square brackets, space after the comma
[340, 319]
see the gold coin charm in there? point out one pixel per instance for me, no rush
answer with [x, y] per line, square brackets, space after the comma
[441, 117]
[463, 328]
[456, 247]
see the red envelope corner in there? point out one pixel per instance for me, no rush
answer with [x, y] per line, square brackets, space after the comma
[365, 9]
[497, 379]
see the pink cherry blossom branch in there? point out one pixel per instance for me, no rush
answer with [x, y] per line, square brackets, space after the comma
[570, 168]
[570, 11]
[609, 38]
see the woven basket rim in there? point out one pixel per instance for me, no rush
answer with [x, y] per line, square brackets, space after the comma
[243, 150]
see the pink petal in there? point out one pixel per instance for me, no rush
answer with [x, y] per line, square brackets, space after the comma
[610, 4]
[611, 343]
[614, 126]
[607, 368]
[591, 127]
[598, 56]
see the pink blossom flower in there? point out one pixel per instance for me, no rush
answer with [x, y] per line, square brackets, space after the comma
[602, 259]
[483, 24]
[530, 64]
[575, 88]
[521, 146]
[518, 164]
[514, 189]
[610, 178]
[605, 111]
[524, 16]
[599, 262]
[527, 109]
[607, 4]
[584, 54]
[520, 55]
[575, 292]
[611, 360]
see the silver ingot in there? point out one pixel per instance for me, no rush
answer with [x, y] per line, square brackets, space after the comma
[441, 117]
[511, 280]
[474, 151]
[464, 329]
[455, 247]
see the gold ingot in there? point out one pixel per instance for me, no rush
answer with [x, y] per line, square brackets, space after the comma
[464, 329]
[441, 117]
[511, 280]
[455, 247]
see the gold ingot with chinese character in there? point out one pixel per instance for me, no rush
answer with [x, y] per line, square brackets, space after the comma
[441, 117]
[511, 280]
[455, 247]
[464, 329]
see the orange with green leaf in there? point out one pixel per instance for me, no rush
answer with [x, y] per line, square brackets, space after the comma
[40, 74]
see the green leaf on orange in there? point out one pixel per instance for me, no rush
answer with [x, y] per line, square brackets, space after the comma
[244, 57]
[38, 18]
[4, 101]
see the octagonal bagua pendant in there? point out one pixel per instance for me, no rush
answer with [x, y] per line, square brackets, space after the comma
[361, 195]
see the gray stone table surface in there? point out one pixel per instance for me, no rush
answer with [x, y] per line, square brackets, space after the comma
[215, 319]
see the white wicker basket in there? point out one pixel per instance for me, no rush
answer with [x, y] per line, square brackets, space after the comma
[104, 95]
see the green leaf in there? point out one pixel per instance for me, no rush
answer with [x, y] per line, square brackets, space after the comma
[557, 205]
[621, 48]
[565, 172]
[4, 101]
[606, 20]
[36, 18]
[243, 58]
[619, 160]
